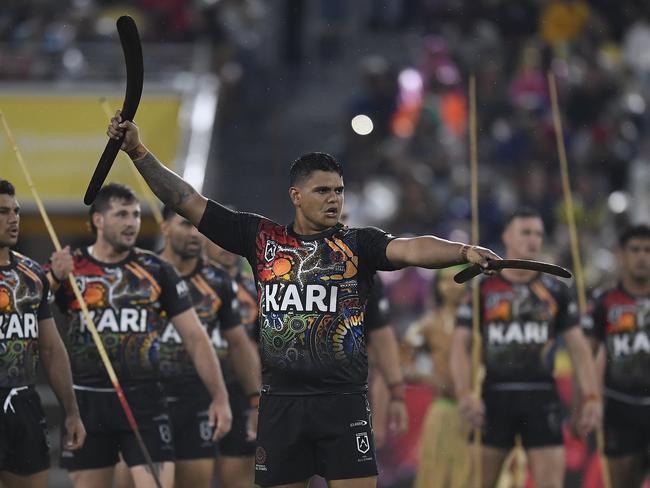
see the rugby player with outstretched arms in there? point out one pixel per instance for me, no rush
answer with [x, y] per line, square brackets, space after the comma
[313, 278]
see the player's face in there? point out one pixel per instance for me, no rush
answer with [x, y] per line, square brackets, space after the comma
[183, 238]
[635, 258]
[320, 198]
[523, 238]
[450, 291]
[9, 220]
[120, 224]
[220, 255]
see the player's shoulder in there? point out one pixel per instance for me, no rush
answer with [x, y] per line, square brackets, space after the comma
[607, 293]
[149, 259]
[28, 263]
[553, 283]
[212, 271]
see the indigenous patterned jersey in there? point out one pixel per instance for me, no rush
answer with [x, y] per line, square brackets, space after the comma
[214, 297]
[518, 324]
[24, 292]
[622, 323]
[312, 293]
[126, 301]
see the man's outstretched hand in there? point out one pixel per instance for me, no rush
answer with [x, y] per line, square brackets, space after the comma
[481, 256]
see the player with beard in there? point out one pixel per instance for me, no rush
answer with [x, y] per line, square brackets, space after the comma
[214, 295]
[131, 294]
[28, 337]
[313, 278]
[521, 313]
[618, 326]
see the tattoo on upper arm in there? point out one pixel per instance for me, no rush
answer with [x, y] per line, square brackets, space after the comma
[167, 185]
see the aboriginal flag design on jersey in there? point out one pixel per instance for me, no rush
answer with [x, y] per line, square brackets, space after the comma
[24, 293]
[127, 301]
[312, 295]
[214, 297]
[622, 322]
[519, 322]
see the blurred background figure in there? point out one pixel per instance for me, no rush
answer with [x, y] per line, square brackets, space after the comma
[443, 460]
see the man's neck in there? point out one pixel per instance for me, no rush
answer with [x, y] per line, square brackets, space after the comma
[304, 227]
[184, 266]
[5, 257]
[636, 287]
[104, 252]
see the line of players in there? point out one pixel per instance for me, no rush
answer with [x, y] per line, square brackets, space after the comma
[191, 291]
[521, 314]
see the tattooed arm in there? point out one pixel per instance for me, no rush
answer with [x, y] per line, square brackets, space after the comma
[170, 188]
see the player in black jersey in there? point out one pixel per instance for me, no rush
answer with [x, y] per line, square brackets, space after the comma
[131, 294]
[386, 382]
[28, 337]
[214, 295]
[235, 464]
[313, 277]
[619, 325]
[521, 313]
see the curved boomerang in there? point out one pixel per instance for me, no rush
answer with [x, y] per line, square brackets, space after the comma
[130, 40]
[474, 270]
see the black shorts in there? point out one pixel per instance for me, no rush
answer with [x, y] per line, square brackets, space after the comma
[534, 414]
[626, 428]
[188, 404]
[109, 433]
[24, 445]
[299, 436]
[235, 443]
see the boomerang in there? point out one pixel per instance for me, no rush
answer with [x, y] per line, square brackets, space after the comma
[132, 48]
[474, 270]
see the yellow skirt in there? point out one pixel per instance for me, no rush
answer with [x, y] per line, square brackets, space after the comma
[444, 456]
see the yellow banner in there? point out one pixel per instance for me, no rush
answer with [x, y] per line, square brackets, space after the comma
[61, 138]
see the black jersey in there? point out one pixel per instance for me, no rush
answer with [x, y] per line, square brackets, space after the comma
[128, 302]
[378, 308]
[621, 321]
[312, 292]
[214, 297]
[518, 324]
[24, 292]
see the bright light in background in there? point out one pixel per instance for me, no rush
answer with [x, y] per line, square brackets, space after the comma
[410, 85]
[618, 202]
[362, 124]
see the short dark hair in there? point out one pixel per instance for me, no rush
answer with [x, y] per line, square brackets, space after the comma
[640, 231]
[6, 188]
[168, 212]
[103, 200]
[306, 164]
[521, 213]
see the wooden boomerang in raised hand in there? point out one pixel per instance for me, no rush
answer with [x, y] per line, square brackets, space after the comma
[474, 270]
[130, 40]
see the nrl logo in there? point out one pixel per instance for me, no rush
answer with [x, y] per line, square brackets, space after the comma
[363, 444]
[269, 250]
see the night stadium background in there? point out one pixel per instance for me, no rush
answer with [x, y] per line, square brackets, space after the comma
[236, 89]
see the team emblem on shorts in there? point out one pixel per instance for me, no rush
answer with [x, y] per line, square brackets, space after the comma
[363, 443]
[260, 455]
[205, 430]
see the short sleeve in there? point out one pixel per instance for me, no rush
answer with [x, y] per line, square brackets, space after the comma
[372, 249]
[175, 294]
[44, 309]
[567, 313]
[229, 315]
[377, 313]
[595, 321]
[234, 231]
